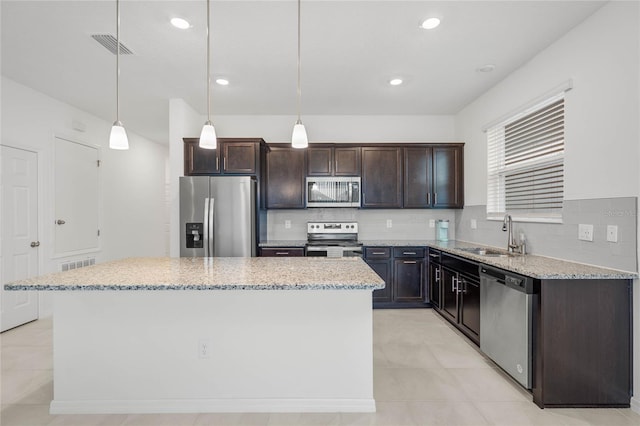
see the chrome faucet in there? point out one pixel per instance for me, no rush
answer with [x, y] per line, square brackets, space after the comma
[512, 247]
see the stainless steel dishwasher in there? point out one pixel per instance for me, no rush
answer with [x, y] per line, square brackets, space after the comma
[506, 312]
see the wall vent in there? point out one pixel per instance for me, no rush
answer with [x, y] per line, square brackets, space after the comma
[76, 264]
[110, 43]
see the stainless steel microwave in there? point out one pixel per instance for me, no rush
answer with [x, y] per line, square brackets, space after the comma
[333, 191]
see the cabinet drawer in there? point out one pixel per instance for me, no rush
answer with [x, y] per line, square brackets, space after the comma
[434, 255]
[409, 252]
[377, 252]
[282, 252]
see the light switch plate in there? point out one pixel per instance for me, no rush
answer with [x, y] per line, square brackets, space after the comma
[585, 232]
[432, 223]
[474, 224]
[287, 224]
[389, 223]
[612, 233]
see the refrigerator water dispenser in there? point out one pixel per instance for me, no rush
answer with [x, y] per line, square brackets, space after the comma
[194, 234]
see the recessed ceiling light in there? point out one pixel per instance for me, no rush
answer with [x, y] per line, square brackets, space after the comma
[180, 23]
[486, 68]
[430, 23]
[395, 82]
[222, 81]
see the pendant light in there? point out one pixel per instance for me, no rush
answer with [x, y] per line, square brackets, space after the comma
[299, 136]
[118, 137]
[208, 137]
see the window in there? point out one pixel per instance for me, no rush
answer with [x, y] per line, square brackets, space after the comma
[525, 164]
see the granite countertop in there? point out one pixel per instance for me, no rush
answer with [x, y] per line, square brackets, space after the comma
[530, 265]
[283, 243]
[219, 273]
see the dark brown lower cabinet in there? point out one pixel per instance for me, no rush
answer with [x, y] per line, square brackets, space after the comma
[403, 269]
[583, 343]
[459, 298]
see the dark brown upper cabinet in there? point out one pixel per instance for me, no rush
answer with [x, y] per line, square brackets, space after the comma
[382, 177]
[237, 156]
[284, 177]
[433, 176]
[333, 161]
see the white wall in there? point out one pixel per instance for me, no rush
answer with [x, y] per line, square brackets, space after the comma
[132, 191]
[601, 56]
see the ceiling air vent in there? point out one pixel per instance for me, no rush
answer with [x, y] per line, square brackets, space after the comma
[110, 43]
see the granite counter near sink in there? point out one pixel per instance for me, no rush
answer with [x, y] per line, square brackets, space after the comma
[534, 266]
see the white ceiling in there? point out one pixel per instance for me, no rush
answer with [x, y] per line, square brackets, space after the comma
[350, 50]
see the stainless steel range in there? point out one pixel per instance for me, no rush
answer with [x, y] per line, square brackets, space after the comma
[333, 239]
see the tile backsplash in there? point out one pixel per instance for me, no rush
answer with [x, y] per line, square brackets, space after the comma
[407, 224]
[561, 240]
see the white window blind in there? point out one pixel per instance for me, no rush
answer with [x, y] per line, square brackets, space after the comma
[525, 164]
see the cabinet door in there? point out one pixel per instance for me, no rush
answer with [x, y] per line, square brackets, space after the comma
[449, 305]
[470, 306]
[434, 278]
[347, 161]
[383, 269]
[319, 161]
[448, 177]
[408, 280]
[382, 177]
[417, 177]
[282, 252]
[199, 161]
[240, 158]
[285, 173]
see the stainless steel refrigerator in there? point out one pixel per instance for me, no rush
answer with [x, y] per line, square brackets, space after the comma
[217, 216]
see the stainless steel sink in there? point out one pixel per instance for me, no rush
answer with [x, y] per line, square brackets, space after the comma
[481, 251]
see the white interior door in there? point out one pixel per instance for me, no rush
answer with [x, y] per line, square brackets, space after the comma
[76, 198]
[19, 233]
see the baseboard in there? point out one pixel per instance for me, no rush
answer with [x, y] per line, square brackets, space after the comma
[215, 406]
[635, 404]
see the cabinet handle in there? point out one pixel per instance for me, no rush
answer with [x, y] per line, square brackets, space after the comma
[435, 256]
[335, 166]
[435, 198]
[409, 261]
[428, 198]
[282, 253]
[409, 253]
[454, 285]
[217, 163]
[224, 164]
[437, 275]
[378, 253]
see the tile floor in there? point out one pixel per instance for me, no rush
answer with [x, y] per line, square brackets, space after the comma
[425, 373]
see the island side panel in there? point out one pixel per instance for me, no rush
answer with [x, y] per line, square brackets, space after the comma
[138, 351]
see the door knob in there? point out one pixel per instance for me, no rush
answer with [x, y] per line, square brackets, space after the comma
[35, 243]
[60, 222]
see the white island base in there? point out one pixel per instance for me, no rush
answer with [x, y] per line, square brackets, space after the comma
[213, 351]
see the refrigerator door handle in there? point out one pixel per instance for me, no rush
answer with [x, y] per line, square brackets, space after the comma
[206, 227]
[212, 245]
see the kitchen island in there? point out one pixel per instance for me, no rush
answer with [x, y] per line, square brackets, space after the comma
[160, 335]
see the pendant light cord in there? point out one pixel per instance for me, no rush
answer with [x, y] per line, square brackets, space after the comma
[299, 91]
[208, 63]
[118, 60]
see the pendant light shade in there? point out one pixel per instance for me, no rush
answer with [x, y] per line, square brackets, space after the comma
[118, 137]
[299, 136]
[208, 139]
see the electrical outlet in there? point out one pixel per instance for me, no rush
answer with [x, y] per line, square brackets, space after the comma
[474, 224]
[612, 233]
[287, 224]
[585, 232]
[432, 223]
[389, 223]
[204, 348]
